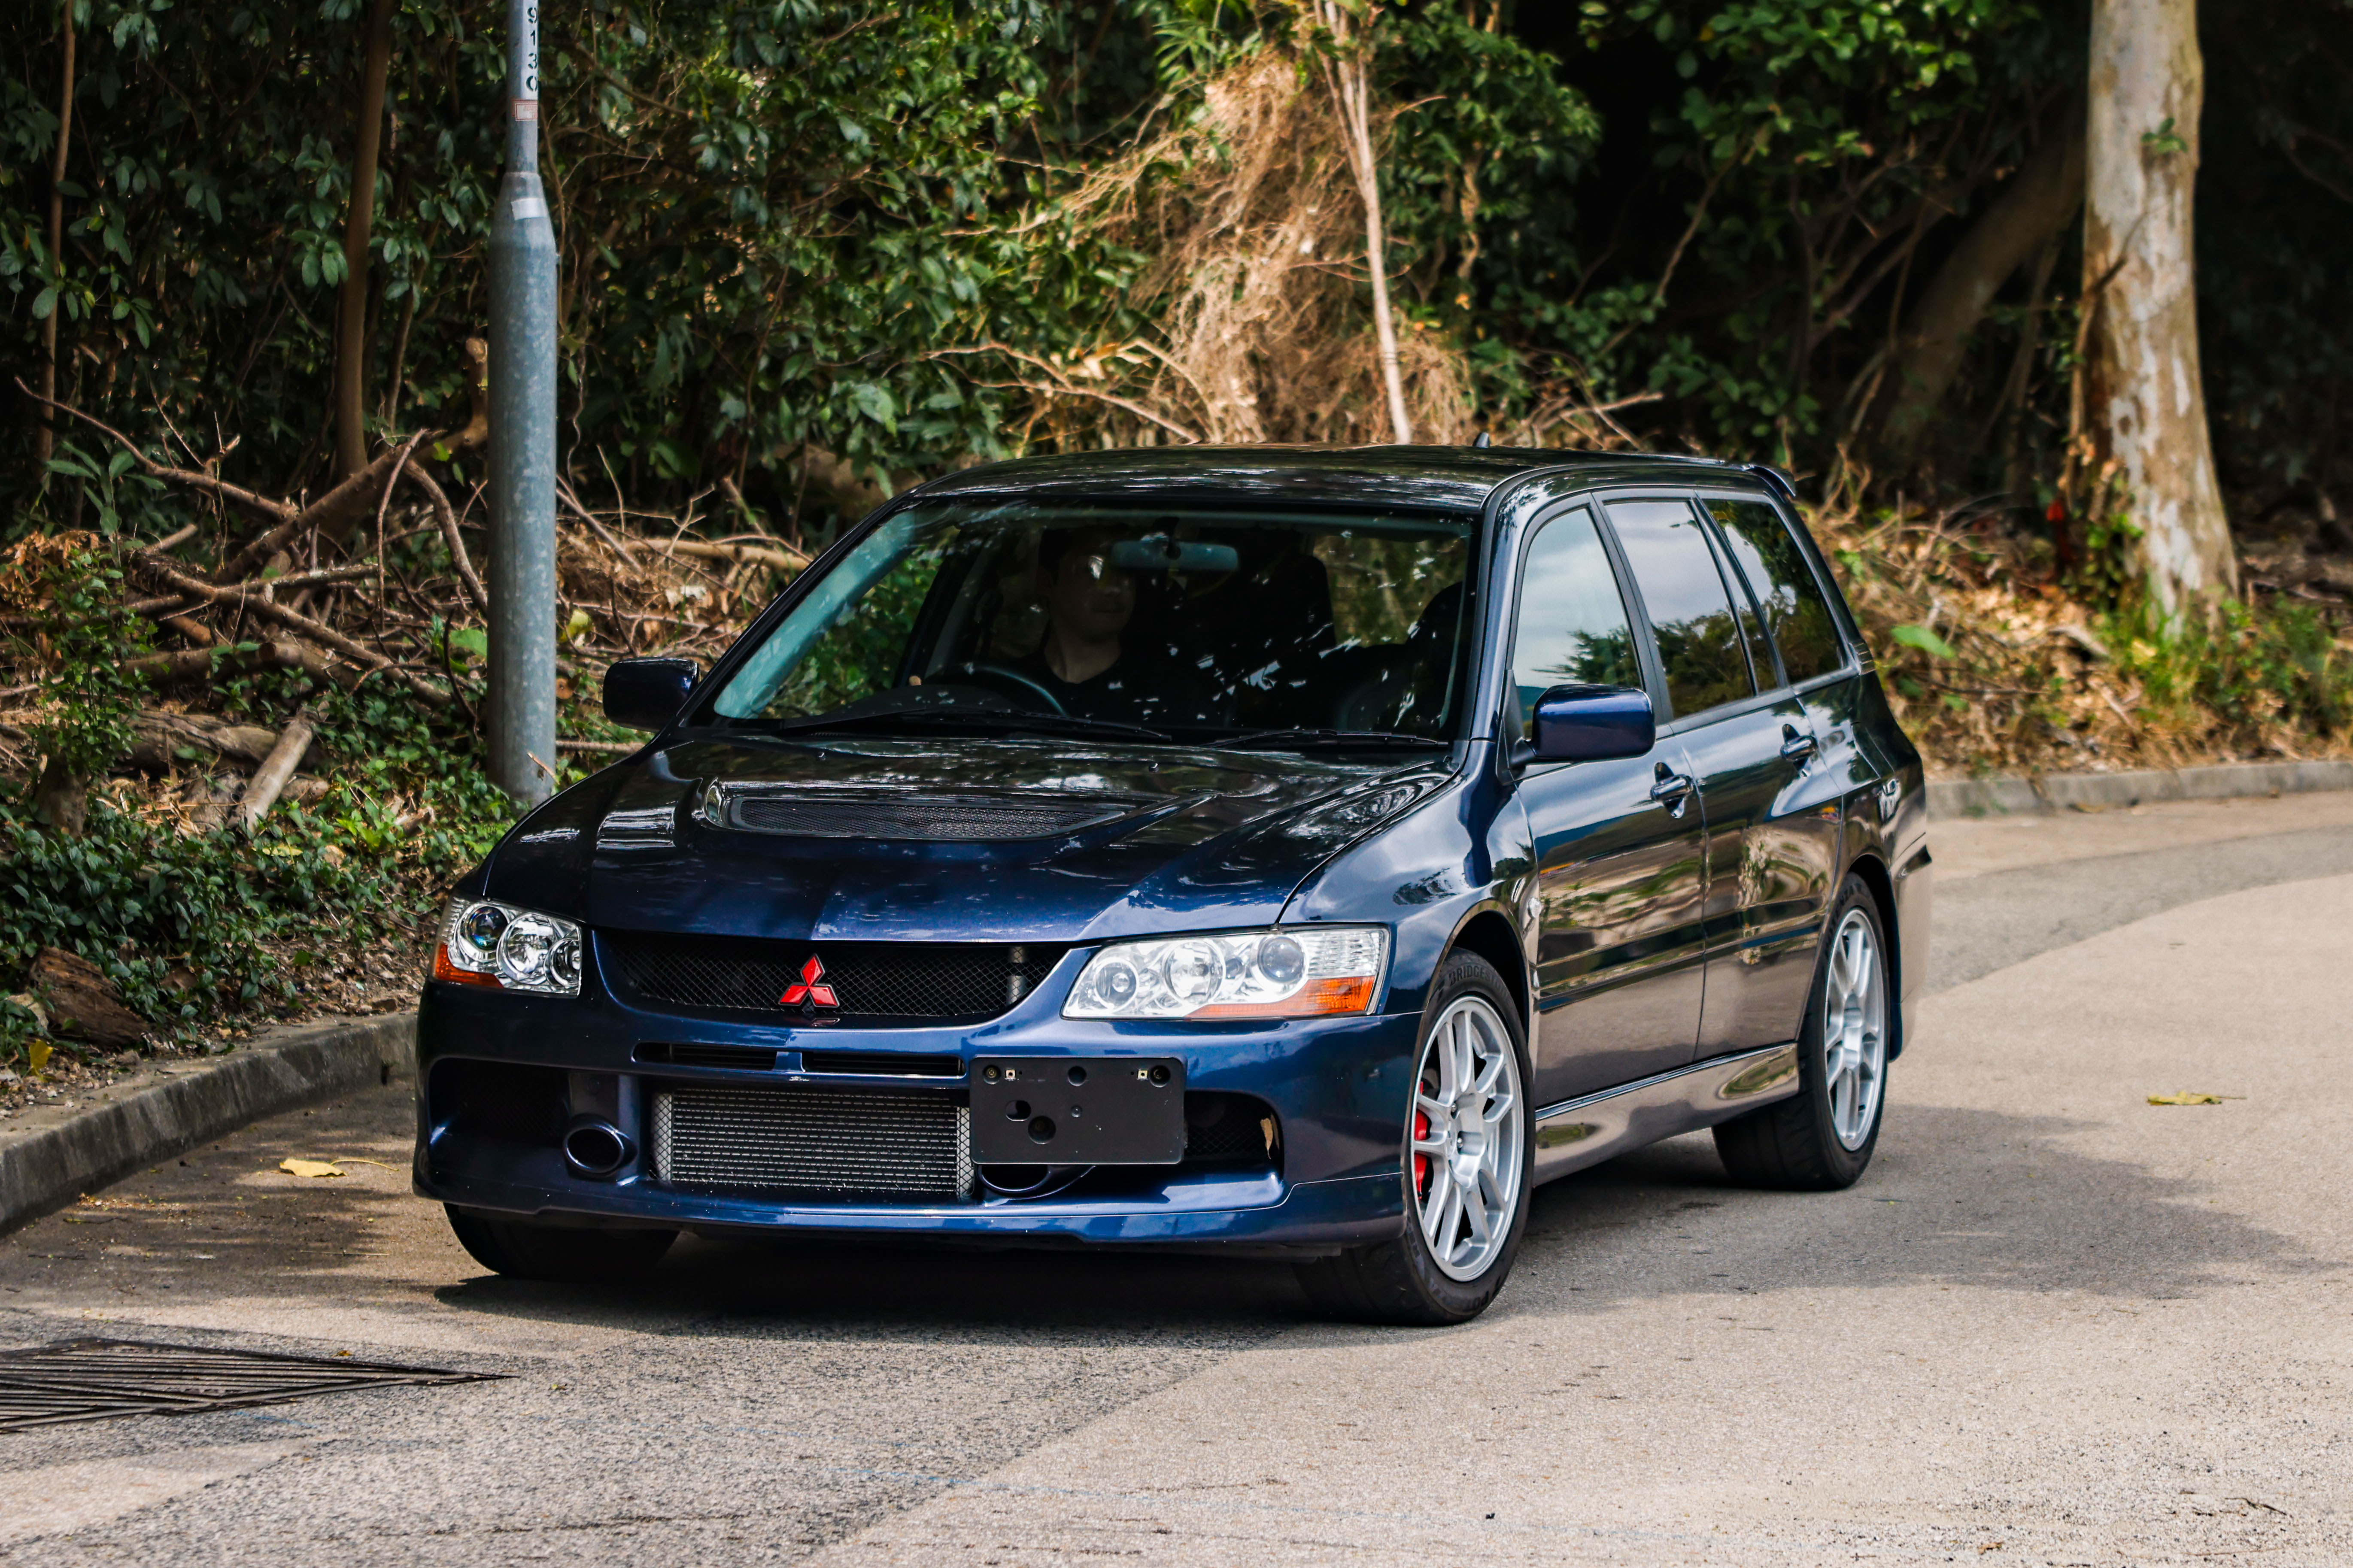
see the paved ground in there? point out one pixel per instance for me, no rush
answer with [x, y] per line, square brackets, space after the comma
[2053, 1324]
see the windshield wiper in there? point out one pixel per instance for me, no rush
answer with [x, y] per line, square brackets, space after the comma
[1334, 739]
[977, 720]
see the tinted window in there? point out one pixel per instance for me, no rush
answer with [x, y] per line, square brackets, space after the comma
[1573, 626]
[1197, 623]
[1674, 571]
[1794, 609]
[1760, 652]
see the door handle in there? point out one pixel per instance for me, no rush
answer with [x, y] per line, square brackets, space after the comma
[1797, 747]
[1672, 790]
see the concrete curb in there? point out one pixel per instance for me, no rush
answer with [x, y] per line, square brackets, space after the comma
[45, 1164]
[2055, 792]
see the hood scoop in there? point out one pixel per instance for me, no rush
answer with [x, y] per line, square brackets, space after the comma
[960, 816]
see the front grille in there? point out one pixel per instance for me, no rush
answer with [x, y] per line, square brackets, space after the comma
[836, 1143]
[936, 819]
[914, 981]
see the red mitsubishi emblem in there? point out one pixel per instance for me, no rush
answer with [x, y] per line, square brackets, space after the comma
[809, 991]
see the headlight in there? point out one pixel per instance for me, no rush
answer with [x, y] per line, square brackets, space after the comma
[1297, 972]
[488, 944]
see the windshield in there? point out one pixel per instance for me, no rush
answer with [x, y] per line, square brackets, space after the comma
[1267, 628]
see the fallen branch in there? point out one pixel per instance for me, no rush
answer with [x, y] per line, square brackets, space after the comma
[456, 542]
[612, 541]
[777, 557]
[318, 632]
[334, 515]
[198, 663]
[276, 769]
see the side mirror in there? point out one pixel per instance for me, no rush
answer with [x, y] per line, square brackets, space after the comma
[1592, 723]
[647, 693]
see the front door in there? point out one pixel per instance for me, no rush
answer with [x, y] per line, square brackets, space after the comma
[1621, 874]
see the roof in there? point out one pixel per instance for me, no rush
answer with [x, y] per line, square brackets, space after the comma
[1453, 478]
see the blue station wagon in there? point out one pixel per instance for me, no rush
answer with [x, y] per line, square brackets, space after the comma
[1290, 851]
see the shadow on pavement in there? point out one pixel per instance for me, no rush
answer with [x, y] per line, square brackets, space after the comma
[1956, 1197]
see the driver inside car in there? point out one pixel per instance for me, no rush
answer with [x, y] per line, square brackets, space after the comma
[1084, 660]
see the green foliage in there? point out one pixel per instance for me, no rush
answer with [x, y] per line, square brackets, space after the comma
[84, 638]
[772, 217]
[2265, 673]
[1923, 639]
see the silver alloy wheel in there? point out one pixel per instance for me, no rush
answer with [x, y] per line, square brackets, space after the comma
[1464, 1140]
[1854, 1029]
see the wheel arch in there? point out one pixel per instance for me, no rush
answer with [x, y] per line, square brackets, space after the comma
[1490, 934]
[1873, 871]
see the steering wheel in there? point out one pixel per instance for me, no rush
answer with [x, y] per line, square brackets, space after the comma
[1018, 683]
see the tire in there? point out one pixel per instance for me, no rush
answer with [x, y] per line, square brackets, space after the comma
[1472, 1019]
[1821, 1138]
[521, 1250]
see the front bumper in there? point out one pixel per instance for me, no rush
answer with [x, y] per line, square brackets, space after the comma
[1337, 1087]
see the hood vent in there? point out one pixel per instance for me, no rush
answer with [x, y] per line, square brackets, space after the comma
[897, 813]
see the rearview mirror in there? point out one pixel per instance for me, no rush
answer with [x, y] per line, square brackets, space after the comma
[647, 693]
[1593, 723]
[1158, 552]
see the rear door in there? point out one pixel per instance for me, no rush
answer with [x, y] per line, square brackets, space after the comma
[1774, 808]
[1621, 869]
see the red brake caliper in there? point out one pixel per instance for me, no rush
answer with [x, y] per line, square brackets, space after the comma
[1420, 1160]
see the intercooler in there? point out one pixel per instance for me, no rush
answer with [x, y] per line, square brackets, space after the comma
[898, 1144]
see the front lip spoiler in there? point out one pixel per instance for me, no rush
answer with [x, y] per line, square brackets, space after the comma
[1343, 1210]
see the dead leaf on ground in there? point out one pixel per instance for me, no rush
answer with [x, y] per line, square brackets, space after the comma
[2190, 1097]
[293, 1167]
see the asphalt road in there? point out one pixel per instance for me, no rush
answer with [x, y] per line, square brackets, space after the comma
[2053, 1324]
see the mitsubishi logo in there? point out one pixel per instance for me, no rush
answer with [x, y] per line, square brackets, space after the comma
[810, 992]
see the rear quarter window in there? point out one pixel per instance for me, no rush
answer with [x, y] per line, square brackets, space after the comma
[1797, 616]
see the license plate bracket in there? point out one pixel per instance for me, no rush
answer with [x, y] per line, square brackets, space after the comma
[1078, 1111]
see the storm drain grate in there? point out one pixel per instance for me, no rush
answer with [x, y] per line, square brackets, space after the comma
[92, 1380]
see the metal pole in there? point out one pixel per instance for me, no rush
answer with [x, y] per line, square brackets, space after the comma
[521, 703]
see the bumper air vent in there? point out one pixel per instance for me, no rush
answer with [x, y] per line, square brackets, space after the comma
[907, 1145]
[882, 1064]
[744, 1058]
[874, 983]
[931, 819]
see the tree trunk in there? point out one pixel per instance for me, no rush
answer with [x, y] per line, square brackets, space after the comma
[83, 1001]
[45, 434]
[2145, 403]
[351, 333]
[2037, 205]
[1350, 85]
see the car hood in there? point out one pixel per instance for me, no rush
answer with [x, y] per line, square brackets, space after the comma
[847, 839]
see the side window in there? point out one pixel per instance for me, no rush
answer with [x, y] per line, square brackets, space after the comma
[1572, 628]
[1751, 638]
[1700, 644]
[1795, 613]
